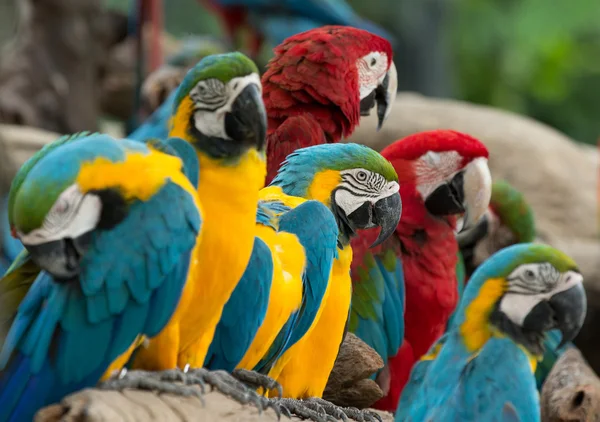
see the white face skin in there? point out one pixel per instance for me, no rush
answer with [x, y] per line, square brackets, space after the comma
[359, 186]
[435, 168]
[72, 215]
[372, 69]
[213, 99]
[530, 284]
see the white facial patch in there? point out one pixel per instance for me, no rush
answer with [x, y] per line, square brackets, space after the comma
[372, 69]
[213, 100]
[531, 284]
[434, 168]
[72, 215]
[359, 186]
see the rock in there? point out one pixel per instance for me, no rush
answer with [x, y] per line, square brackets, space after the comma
[571, 391]
[142, 406]
[349, 383]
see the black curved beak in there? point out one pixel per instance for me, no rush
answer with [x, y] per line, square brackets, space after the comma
[247, 120]
[565, 311]
[384, 96]
[62, 257]
[467, 239]
[385, 214]
[448, 198]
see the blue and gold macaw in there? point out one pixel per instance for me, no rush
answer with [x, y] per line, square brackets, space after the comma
[108, 226]
[319, 198]
[508, 220]
[483, 367]
[217, 109]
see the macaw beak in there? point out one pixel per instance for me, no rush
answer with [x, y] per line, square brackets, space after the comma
[468, 238]
[564, 310]
[385, 95]
[247, 120]
[384, 213]
[469, 192]
[61, 257]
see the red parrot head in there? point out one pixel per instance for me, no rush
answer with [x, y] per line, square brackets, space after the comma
[336, 73]
[445, 170]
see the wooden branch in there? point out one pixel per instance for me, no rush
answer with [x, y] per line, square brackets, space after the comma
[349, 383]
[143, 406]
[571, 391]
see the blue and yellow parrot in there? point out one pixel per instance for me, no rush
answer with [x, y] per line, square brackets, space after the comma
[305, 322]
[217, 109]
[508, 220]
[483, 367]
[108, 226]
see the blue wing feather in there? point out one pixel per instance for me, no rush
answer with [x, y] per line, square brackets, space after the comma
[316, 229]
[60, 347]
[244, 312]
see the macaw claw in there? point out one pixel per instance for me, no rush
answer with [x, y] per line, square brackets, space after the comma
[319, 410]
[186, 383]
[256, 380]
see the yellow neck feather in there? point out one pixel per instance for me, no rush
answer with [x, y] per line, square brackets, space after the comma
[475, 330]
[323, 184]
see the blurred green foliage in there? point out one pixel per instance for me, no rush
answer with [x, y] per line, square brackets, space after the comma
[535, 57]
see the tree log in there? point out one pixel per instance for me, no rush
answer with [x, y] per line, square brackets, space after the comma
[143, 406]
[50, 72]
[571, 392]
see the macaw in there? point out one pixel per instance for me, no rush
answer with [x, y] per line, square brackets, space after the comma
[108, 227]
[406, 290]
[274, 21]
[319, 83]
[508, 220]
[360, 189]
[315, 89]
[485, 362]
[219, 111]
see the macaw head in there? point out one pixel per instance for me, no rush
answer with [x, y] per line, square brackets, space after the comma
[442, 173]
[332, 69]
[218, 107]
[508, 220]
[78, 188]
[355, 182]
[521, 292]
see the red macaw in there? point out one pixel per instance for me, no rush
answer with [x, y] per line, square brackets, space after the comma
[443, 174]
[319, 83]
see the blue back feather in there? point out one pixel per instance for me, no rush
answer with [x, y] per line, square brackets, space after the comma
[65, 335]
[244, 312]
[316, 229]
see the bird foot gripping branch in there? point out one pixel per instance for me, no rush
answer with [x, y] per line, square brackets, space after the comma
[319, 410]
[186, 382]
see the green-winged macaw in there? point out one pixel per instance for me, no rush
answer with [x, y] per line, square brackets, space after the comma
[108, 226]
[299, 340]
[508, 220]
[406, 290]
[483, 368]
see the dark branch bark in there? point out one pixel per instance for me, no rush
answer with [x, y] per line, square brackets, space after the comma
[50, 72]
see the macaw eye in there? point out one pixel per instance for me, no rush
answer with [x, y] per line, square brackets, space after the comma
[210, 92]
[62, 207]
[373, 61]
[361, 176]
[529, 275]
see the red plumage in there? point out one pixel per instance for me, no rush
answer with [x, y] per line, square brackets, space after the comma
[427, 247]
[314, 75]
